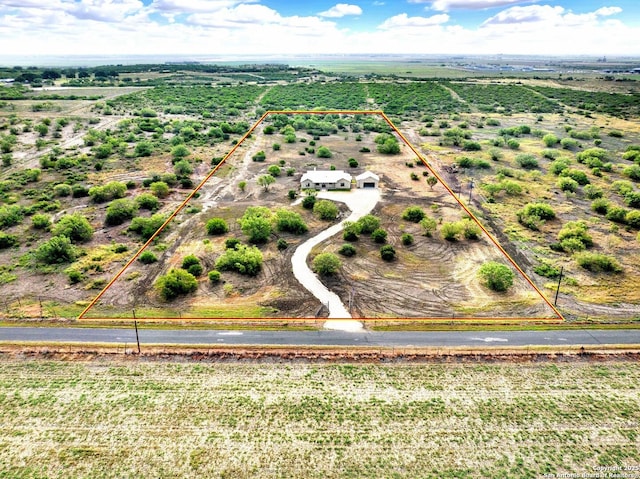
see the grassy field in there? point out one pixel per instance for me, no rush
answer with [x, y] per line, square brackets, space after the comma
[105, 418]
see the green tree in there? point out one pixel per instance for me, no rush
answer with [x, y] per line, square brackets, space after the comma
[431, 181]
[41, 222]
[175, 283]
[326, 264]
[368, 224]
[265, 181]
[290, 222]
[379, 235]
[146, 227]
[429, 225]
[256, 224]
[326, 210]
[387, 252]
[324, 152]
[274, 170]
[75, 227]
[183, 168]
[147, 201]
[496, 276]
[242, 185]
[347, 249]
[147, 257]
[143, 148]
[451, 231]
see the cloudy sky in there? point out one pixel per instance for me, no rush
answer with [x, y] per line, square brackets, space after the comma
[254, 27]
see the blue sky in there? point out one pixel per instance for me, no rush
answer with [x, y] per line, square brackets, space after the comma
[279, 27]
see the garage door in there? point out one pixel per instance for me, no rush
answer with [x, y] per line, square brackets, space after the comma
[368, 185]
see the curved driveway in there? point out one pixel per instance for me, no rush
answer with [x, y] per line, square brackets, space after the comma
[360, 202]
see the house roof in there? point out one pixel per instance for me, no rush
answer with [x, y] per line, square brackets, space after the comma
[326, 176]
[366, 175]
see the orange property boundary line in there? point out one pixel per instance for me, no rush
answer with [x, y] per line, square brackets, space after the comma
[413, 149]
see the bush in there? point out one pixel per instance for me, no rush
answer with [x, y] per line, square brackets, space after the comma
[550, 140]
[214, 276]
[324, 152]
[175, 283]
[468, 145]
[231, 243]
[569, 143]
[7, 240]
[55, 251]
[147, 201]
[451, 231]
[114, 189]
[41, 222]
[159, 189]
[496, 276]
[577, 175]
[572, 233]
[274, 170]
[242, 259]
[189, 260]
[74, 276]
[120, 211]
[368, 224]
[414, 214]
[195, 269]
[353, 163]
[290, 222]
[632, 172]
[216, 226]
[256, 224]
[326, 264]
[282, 244]
[326, 210]
[592, 192]
[183, 168]
[387, 253]
[379, 235]
[470, 229]
[617, 214]
[429, 225]
[547, 271]
[513, 144]
[347, 249]
[633, 219]
[600, 205]
[596, 263]
[533, 215]
[147, 257]
[146, 227]
[407, 239]
[62, 189]
[75, 227]
[567, 184]
[309, 202]
[259, 156]
[527, 161]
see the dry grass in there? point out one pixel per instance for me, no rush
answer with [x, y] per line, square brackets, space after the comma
[134, 419]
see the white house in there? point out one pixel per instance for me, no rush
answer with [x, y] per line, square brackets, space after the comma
[367, 180]
[326, 179]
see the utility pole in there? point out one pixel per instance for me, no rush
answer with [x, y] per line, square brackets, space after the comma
[555, 302]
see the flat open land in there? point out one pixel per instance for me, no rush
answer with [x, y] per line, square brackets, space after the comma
[135, 418]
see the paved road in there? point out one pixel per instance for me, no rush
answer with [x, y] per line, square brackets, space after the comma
[325, 337]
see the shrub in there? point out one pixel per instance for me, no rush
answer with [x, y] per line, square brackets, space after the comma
[256, 224]
[559, 165]
[450, 231]
[195, 269]
[183, 168]
[429, 225]
[55, 251]
[159, 189]
[324, 152]
[119, 211]
[550, 140]
[41, 222]
[353, 163]
[414, 214]
[214, 276]
[74, 276]
[617, 214]
[146, 227]
[633, 219]
[547, 271]
[368, 224]
[592, 192]
[231, 243]
[274, 170]
[567, 184]
[259, 156]
[216, 226]
[407, 239]
[470, 229]
[308, 202]
[569, 143]
[632, 199]
[387, 144]
[147, 257]
[379, 235]
[326, 264]
[175, 283]
[7, 240]
[468, 145]
[596, 263]
[632, 172]
[62, 189]
[189, 260]
[290, 222]
[513, 144]
[326, 210]
[496, 276]
[387, 252]
[242, 259]
[600, 205]
[114, 189]
[533, 215]
[282, 244]
[527, 161]
[573, 236]
[75, 227]
[577, 175]
[347, 249]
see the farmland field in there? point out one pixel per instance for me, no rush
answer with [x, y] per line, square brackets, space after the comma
[135, 418]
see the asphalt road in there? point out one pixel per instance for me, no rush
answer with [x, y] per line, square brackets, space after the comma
[323, 337]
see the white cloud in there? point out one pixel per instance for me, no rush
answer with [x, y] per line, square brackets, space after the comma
[606, 11]
[177, 7]
[446, 5]
[341, 10]
[403, 20]
[530, 14]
